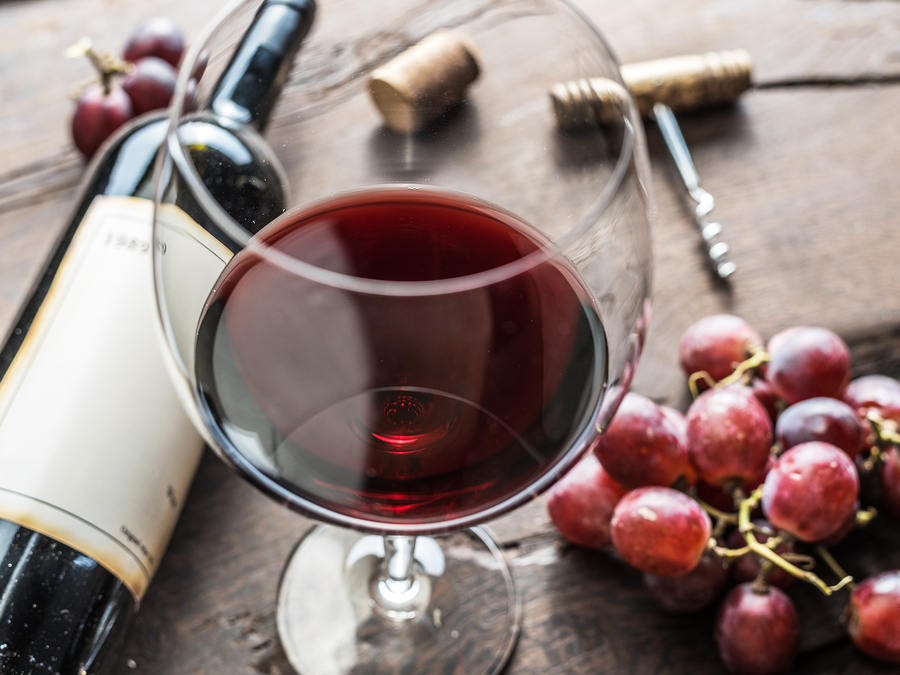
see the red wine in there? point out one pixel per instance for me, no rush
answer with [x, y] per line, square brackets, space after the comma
[402, 406]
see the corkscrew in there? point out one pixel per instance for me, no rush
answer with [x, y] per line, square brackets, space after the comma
[660, 88]
[711, 231]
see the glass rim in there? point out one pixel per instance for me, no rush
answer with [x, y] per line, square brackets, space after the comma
[238, 235]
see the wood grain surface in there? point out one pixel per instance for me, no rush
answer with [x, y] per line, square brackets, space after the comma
[804, 172]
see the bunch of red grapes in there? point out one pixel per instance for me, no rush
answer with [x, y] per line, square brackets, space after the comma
[753, 483]
[142, 81]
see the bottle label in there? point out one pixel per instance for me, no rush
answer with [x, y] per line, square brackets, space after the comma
[96, 450]
[189, 263]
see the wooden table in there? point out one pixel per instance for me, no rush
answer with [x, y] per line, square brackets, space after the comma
[804, 172]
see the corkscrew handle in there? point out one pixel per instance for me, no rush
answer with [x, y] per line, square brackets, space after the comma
[689, 82]
[681, 82]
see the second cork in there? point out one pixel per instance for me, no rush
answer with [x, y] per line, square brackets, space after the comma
[419, 85]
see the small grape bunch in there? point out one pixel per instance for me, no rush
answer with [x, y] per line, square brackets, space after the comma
[748, 488]
[141, 81]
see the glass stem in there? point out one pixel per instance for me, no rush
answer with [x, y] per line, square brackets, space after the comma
[398, 562]
[398, 591]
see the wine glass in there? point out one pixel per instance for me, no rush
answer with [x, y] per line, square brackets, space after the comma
[433, 332]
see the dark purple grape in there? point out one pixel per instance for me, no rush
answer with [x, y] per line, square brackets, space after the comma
[151, 84]
[821, 419]
[98, 114]
[811, 491]
[747, 567]
[890, 482]
[716, 344]
[808, 362]
[873, 616]
[689, 592]
[643, 445]
[729, 435]
[874, 392]
[581, 504]
[159, 37]
[716, 496]
[660, 531]
[757, 633]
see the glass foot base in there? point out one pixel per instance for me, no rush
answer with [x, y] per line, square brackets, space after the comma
[329, 625]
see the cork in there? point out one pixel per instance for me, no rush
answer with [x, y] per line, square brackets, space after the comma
[682, 83]
[417, 86]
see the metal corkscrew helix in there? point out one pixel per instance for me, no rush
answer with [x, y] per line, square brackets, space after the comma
[710, 231]
[659, 88]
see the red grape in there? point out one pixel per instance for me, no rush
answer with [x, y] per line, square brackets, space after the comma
[98, 114]
[716, 344]
[811, 491]
[689, 592]
[660, 531]
[643, 445]
[747, 567]
[874, 392]
[158, 37]
[890, 482]
[821, 419]
[757, 633]
[151, 84]
[844, 530]
[679, 421]
[874, 616]
[729, 435]
[762, 390]
[581, 504]
[808, 362]
[776, 340]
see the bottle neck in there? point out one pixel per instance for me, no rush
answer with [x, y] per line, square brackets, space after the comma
[247, 90]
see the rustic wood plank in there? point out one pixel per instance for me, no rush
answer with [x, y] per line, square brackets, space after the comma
[793, 40]
[803, 177]
[804, 189]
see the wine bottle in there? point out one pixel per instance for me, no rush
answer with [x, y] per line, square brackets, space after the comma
[96, 452]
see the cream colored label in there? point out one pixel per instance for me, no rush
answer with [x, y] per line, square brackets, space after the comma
[189, 261]
[96, 450]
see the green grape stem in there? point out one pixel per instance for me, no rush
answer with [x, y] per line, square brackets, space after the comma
[724, 516]
[886, 435]
[886, 430]
[763, 550]
[104, 63]
[845, 579]
[758, 357]
[700, 375]
[866, 516]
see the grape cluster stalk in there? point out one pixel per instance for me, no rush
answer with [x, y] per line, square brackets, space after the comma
[743, 494]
